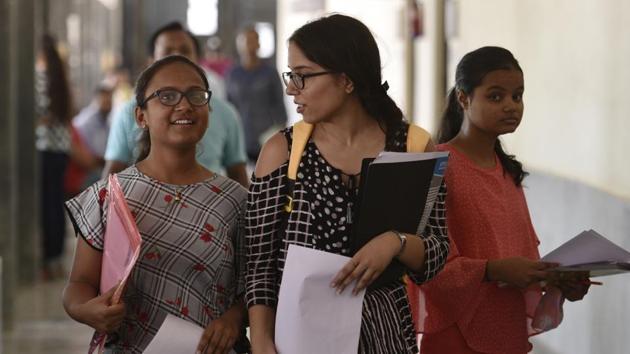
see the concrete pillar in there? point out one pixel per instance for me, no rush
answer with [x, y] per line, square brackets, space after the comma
[18, 214]
[430, 67]
[26, 182]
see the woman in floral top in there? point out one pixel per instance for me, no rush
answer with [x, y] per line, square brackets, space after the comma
[191, 221]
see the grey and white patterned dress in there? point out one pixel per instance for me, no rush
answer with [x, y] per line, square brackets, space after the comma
[192, 259]
[320, 220]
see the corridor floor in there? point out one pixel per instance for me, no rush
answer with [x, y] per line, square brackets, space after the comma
[42, 325]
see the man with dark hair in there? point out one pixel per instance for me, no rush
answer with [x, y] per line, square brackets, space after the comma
[222, 148]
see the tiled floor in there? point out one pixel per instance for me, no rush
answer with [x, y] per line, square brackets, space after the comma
[42, 325]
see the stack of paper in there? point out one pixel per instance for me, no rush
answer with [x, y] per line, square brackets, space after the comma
[590, 252]
[176, 335]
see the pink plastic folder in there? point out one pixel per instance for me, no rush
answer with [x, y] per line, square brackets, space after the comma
[120, 251]
[122, 242]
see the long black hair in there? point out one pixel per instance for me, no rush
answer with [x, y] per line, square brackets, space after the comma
[471, 70]
[58, 86]
[343, 44]
[144, 140]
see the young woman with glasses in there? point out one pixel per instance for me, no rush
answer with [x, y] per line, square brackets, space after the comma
[191, 221]
[335, 81]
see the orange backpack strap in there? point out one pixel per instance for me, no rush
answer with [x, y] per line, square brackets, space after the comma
[417, 138]
[301, 134]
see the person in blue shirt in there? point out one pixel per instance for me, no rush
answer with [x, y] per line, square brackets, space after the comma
[254, 87]
[222, 147]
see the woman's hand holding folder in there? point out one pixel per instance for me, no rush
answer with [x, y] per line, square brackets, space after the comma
[100, 314]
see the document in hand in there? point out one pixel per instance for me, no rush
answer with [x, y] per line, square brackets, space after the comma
[590, 252]
[120, 251]
[398, 190]
[311, 318]
[176, 335]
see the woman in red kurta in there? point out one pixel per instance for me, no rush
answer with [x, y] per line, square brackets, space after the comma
[484, 299]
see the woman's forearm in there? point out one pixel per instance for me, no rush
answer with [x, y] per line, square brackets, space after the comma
[237, 311]
[75, 294]
[412, 254]
[262, 323]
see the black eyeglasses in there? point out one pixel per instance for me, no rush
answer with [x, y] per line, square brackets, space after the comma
[172, 97]
[299, 79]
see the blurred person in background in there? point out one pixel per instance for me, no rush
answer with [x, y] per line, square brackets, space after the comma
[120, 82]
[221, 148]
[214, 59]
[254, 87]
[82, 162]
[92, 126]
[53, 142]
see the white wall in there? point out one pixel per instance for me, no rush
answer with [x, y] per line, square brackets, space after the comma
[561, 209]
[575, 55]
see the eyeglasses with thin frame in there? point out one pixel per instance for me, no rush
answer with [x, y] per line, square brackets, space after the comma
[298, 80]
[172, 97]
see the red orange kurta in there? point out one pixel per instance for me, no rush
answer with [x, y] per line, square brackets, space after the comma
[487, 218]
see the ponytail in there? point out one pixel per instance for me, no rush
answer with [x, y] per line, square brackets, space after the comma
[452, 118]
[510, 164]
[379, 105]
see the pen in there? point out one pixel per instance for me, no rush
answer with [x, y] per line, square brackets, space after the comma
[590, 282]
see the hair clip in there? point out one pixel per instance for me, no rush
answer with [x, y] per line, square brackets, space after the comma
[385, 86]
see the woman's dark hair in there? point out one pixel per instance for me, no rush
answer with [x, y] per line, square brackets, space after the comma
[343, 44]
[469, 74]
[144, 140]
[58, 88]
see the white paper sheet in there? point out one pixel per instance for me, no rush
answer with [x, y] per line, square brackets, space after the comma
[311, 317]
[175, 336]
[587, 247]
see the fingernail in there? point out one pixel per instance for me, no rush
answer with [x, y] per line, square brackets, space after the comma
[333, 284]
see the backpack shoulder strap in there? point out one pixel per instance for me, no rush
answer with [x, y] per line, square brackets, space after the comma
[301, 133]
[417, 138]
